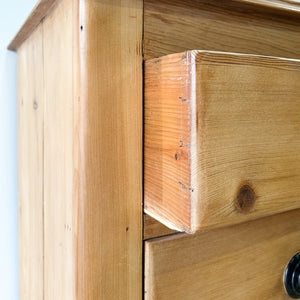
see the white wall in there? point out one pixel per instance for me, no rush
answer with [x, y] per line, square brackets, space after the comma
[12, 15]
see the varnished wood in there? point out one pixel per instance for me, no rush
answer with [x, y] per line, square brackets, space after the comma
[60, 211]
[222, 138]
[110, 139]
[91, 172]
[173, 26]
[167, 159]
[42, 8]
[97, 126]
[288, 5]
[245, 261]
[153, 228]
[30, 106]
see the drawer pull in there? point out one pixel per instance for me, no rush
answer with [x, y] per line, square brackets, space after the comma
[292, 277]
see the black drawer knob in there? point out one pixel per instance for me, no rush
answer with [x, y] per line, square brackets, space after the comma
[292, 277]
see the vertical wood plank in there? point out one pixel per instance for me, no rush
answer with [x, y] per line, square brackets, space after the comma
[30, 166]
[110, 199]
[92, 151]
[58, 154]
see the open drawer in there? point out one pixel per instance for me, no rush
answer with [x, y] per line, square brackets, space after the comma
[222, 138]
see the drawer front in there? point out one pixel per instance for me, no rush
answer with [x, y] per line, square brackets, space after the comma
[232, 26]
[222, 138]
[245, 261]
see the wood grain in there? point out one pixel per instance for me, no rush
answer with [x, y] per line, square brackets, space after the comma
[60, 207]
[42, 8]
[154, 229]
[289, 5]
[222, 138]
[110, 138]
[30, 103]
[90, 169]
[173, 26]
[245, 261]
[167, 130]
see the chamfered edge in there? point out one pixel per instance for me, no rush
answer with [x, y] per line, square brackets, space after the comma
[39, 12]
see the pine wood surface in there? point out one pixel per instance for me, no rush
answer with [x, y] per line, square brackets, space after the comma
[154, 228]
[40, 11]
[172, 26]
[60, 231]
[107, 36]
[86, 207]
[30, 113]
[222, 138]
[157, 9]
[290, 5]
[245, 261]
[110, 138]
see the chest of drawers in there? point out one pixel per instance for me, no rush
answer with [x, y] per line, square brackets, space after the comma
[87, 73]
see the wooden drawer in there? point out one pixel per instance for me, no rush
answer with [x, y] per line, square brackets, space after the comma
[222, 138]
[245, 261]
[80, 148]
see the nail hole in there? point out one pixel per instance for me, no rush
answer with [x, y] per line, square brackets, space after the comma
[35, 105]
[245, 199]
[81, 27]
[127, 228]
[176, 156]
